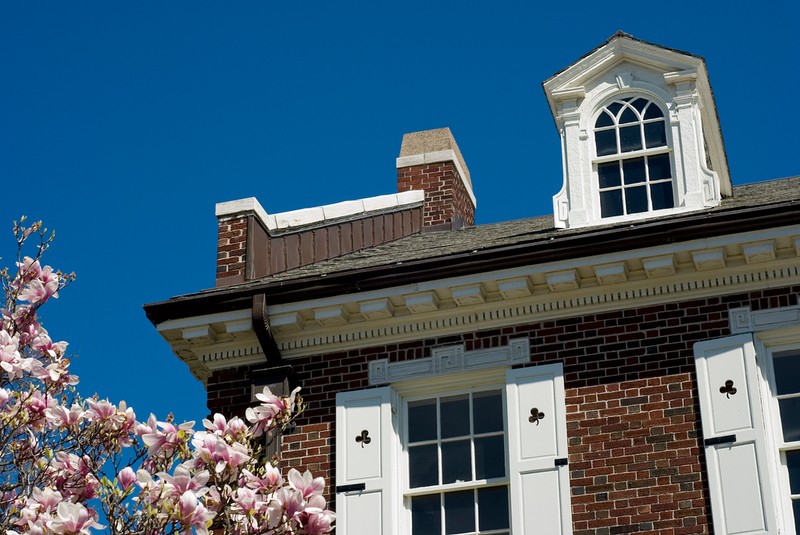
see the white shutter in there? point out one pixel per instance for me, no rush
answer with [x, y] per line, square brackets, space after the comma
[366, 502]
[734, 436]
[537, 451]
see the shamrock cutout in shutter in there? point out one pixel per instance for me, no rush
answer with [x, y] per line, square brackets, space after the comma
[536, 416]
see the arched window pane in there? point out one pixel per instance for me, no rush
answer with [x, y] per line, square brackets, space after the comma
[661, 195]
[628, 116]
[609, 175]
[606, 142]
[633, 171]
[614, 107]
[653, 112]
[636, 200]
[639, 104]
[630, 138]
[604, 120]
[655, 135]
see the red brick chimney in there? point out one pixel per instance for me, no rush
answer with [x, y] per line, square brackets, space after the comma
[431, 161]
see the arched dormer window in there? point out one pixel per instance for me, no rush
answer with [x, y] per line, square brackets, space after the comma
[632, 158]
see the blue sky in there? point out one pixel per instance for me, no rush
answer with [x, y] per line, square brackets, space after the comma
[123, 123]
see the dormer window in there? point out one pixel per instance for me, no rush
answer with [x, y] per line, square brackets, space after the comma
[633, 161]
[640, 137]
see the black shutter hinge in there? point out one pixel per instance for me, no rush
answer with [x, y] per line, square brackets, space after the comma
[563, 461]
[725, 439]
[356, 487]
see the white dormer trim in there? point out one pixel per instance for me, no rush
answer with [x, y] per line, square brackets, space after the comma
[678, 84]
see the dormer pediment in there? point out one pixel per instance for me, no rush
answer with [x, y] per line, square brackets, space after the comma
[639, 132]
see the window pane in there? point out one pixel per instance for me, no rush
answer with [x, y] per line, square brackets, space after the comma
[793, 465]
[455, 416]
[487, 412]
[490, 459]
[630, 138]
[493, 508]
[796, 510]
[423, 466]
[606, 142]
[659, 168]
[426, 516]
[653, 112]
[633, 171]
[614, 107]
[639, 104]
[422, 420]
[655, 135]
[628, 116]
[456, 461]
[611, 203]
[636, 200]
[609, 175]
[459, 512]
[661, 195]
[604, 120]
[787, 372]
[790, 418]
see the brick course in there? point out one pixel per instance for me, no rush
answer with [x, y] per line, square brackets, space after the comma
[447, 203]
[635, 450]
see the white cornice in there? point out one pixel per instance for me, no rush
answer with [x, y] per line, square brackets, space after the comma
[535, 293]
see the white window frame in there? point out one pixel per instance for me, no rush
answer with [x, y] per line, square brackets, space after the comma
[667, 149]
[767, 344]
[370, 481]
[406, 492]
[452, 384]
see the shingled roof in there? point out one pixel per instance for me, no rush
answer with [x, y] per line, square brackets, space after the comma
[536, 229]
[477, 248]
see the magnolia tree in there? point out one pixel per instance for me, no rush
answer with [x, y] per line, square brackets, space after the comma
[71, 465]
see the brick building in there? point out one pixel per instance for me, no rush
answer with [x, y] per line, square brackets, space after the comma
[627, 364]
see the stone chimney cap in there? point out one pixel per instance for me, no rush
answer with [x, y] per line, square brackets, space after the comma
[432, 141]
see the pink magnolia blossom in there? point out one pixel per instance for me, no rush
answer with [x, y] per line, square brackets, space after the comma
[271, 407]
[74, 519]
[194, 514]
[180, 481]
[307, 484]
[126, 477]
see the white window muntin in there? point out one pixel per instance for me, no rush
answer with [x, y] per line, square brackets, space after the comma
[786, 448]
[412, 490]
[609, 195]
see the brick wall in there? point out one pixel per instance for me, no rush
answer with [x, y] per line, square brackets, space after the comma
[447, 203]
[231, 250]
[633, 425]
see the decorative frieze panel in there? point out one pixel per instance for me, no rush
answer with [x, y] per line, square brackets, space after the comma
[744, 320]
[449, 359]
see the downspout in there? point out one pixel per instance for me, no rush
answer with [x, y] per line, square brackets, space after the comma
[263, 333]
